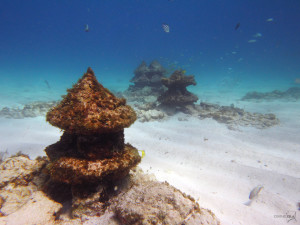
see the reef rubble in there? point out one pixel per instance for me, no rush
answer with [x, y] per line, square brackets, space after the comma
[33, 109]
[291, 94]
[28, 196]
[234, 117]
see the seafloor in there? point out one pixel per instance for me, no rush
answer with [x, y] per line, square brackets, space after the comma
[216, 152]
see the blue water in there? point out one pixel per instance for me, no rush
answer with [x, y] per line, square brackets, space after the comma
[46, 40]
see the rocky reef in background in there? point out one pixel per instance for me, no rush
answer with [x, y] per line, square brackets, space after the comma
[147, 83]
[291, 94]
[33, 109]
[177, 95]
[28, 196]
[232, 116]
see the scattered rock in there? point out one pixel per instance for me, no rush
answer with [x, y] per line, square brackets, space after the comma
[138, 199]
[153, 202]
[233, 116]
[33, 109]
[38, 209]
[292, 94]
[20, 177]
[150, 115]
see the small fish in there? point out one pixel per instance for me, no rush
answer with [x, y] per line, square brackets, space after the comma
[86, 29]
[166, 27]
[143, 153]
[47, 83]
[252, 41]
[270, 20]
[253, 194]
[237, 26]
[183, 71]
[257, 35]
[255, 191]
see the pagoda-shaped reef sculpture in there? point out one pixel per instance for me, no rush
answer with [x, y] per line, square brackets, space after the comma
[147, 82]
[177, 95]
[92, 146]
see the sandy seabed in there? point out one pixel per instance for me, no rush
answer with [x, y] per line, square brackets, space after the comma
[217, 166]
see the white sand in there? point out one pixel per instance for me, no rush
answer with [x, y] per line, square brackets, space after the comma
[220, 172]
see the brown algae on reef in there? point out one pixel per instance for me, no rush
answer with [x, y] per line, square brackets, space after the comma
[92, 146]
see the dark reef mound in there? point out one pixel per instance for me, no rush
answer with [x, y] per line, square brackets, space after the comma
[92, 147]
[292, 94]
[177, 95]
[148, 76]
[147, 82]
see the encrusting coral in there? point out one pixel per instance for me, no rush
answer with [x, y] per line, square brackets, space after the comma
[92, 147]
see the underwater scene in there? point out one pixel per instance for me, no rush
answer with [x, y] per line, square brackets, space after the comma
[150, 112]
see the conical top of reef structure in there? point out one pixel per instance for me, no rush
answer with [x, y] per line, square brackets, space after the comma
[89, 108]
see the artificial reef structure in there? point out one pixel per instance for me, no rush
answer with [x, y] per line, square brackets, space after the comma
[147, 83]
[92, 147]
[177, 95]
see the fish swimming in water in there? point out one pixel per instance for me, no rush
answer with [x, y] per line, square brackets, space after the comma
[252, 41]
[166, 27]
[86, 29]
[257, 35]
[255, 191]
[269, 20]
[237, 26]
[143, 153]
[47, 83]
[254, 194]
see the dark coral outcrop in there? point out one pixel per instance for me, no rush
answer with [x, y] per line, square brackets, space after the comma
[147, 84]
[148, 76]
[177, 94]
[92, 147]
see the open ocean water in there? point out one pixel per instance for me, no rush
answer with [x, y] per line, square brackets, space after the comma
[230, 46]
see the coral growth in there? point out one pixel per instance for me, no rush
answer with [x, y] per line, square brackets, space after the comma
[148, 76]
[90, 108]
[92, 147]
[232, 116]
[291, 94]
[177, 94]
[33, 109]
[147, 82]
